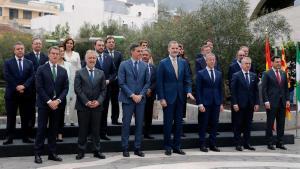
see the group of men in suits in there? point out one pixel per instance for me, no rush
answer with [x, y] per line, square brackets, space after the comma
[19, 72]
[135, 83]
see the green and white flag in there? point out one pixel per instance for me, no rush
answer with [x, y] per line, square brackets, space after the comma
[298, 76]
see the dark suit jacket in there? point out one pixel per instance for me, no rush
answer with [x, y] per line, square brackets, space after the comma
[31, 56]
[130, 84]
[272, 91]
[45, 85]
[87, 90]
[108, 68]
[153, 79]
[201, 64]
[242, 93]
[207, 92]
[235, 67]
[13, 77]
[168, 87]
[117, 58]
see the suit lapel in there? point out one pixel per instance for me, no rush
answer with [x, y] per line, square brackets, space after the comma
[169, 63]
[274, 77]
[49, 72]
[180, 68]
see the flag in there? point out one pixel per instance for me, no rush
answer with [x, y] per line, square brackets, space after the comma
[298, 76]
[268, 54]
[284, 67]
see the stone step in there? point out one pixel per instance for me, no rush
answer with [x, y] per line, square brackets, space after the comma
[157, 128]
[69, 146]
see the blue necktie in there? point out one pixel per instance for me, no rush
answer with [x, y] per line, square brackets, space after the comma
[135, 69]
[247, 79]
[101, 61]
[212, 76]
[20, 67]
[91, 75]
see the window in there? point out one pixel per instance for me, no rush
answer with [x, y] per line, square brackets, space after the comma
[27, 14]
[40, 13]
[13, 14]
[0, 11]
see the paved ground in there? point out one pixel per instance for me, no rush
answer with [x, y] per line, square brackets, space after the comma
[262, 158]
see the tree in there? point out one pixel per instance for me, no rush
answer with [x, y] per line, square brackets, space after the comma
[61, 32]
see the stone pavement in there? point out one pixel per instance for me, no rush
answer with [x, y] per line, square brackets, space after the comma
[228, 158]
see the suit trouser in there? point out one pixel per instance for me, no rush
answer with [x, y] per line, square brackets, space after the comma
[89, 120]
[148, 114]
[46, 115]
[61, 119]
[103, 118]
[277, 113]
[11, 106]
[211, 117]
[32, 112]
[242, 121]
[114, 93]
[128, 110]
[173, 113]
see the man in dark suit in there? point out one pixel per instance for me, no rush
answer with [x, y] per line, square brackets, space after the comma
[19, 77]
[173, 83]
[105, 63]
[150, 95]
[134, 82]
[201, 61]
[37, 57]
[114, 86]
[209, 99]
[275, 95]
[90, 88]
[245, 100]
[52, 87]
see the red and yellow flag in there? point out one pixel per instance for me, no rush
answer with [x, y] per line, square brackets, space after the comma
[268, 54]
[284, 67]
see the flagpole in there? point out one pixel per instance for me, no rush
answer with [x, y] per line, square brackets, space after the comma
[297, 89]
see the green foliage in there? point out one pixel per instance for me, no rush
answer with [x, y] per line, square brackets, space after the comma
[88, 30]
[61, 32]
[7, 42]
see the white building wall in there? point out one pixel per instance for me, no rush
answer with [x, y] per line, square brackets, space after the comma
[92, 11]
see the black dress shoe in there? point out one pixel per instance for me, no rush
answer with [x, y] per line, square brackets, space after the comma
[59, 140]
[104, 137]
[147, 136]
[183, 135]
[27, 140]
[38, 159]
[116, 123]
[249, 147]
[179, 151]
[271, 147]
[203, 149]
[139, 153]
[99, 155]
[168, 152]
[8, 141]
[238, 148]
[214, 148]
[54, 157]
[126, 153]
[79, 156]
[281, 146]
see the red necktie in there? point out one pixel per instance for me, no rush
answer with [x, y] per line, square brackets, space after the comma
[278, 77]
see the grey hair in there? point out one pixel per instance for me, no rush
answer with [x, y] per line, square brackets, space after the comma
[88, 52]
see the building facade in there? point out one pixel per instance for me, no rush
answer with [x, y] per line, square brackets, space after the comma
[21, 12]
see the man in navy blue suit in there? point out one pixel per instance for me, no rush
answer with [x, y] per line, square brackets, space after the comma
[52, 87]
[19, 77]
[106, 63]
[37, 57]
[201, 61]
[134, 82]
[173, 83]
[151, 93]
[209, 99]
[114, 86]
[245, 100]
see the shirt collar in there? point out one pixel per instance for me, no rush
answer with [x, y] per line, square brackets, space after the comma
[245, 72]
[36, 52]
[19, 58]
[51, 64]
[134, 60]
[88, 69]
[275, 70]
[208, 69]
[171, 58]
